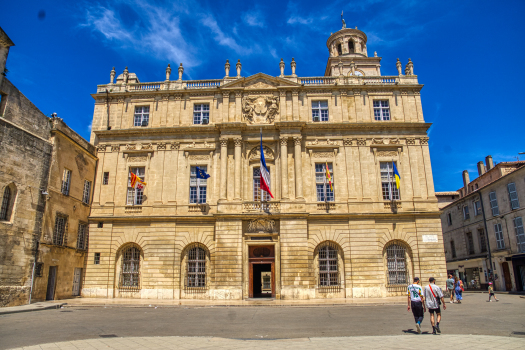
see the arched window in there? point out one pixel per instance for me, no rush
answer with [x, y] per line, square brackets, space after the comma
[339, 49]
[130, 271]
[6, 201]
[328, 266]
[196, 268]
[396, 264]
[350, 46]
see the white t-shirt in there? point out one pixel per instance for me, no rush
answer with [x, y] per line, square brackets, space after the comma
[430, 301]
[415, 292]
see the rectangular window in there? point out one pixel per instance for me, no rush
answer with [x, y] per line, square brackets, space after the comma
[135, 195]
[500, 242]
[388, 182]
[477, 207]
[482, 240]
[141, 116]
[520, 234]
[514, 201]
[453, 249]
[470, 243]
[201, 113]
[87, 191]
[96, 259]
[466, 214]
[66, 182]
[381, 110]
[59, 232]
[198, 187]
[82, 236]
[324, 192]
[494, 203]
[320, 111]
[257, 186]
[105, 178]
[449, 219]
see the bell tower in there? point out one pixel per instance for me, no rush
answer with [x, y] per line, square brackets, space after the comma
[349, 55]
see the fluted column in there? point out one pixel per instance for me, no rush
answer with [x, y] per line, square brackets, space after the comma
[284, 167]
[237, 181]
[224, 171]
[298, 168]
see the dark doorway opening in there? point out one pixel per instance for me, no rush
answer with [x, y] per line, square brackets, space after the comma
[262, 280]
[51, 283]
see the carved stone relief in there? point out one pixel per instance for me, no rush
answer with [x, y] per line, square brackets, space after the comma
[255, 153]
[260, 109]
[137, 158]
[199, 157]
[261, 225]
[323, 154]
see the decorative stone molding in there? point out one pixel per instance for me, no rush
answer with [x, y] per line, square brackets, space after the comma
[146, 146]
[131, 147]
[260, 109]
[423, 141]
[205, 145]
[394, 141]
[199, 157]
[224, 142]
[136, 158]
[327, 142]
[255, 153]
[284, 141]
[261, 226]
[385, 153]
[378, 142]
[161, 146]
[297, 140]
[115, 148]
[361, 142]
[175, 145]
[101, 148]
[347, 142]
[323, 154]
[411, 141]
[237, 142]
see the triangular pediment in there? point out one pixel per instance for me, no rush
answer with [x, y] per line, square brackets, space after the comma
[260, 81]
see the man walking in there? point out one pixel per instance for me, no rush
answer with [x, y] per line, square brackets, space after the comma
[433, 298]
[450, 287]
[415, 300]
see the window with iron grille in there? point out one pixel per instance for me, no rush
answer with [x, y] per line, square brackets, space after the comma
[388, 182]
[477, 208]
[514, 201]
[320, 111]
[141, 116]
[482, 240]
[328, 266]
[494, 203]
[196, 268]
[381, 110]
[59, 233]
[130, 270]
[198, 187]
[66, 182]
[201, 113]
[82, 236]
[87, 191]
[470, 243]
[6, 201]
[257, 186]
[105, 178]
[520, 234]
[453, 249]
[324, 192]
[500, 241]
[466, 214]
[396, 264]
[136, 195]
[96, 259]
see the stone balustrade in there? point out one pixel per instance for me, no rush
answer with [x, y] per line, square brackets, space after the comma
[251, 207]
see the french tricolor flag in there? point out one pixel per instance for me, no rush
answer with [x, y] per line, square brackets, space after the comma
[265, 174]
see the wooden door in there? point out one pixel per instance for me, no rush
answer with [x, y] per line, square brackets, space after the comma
[51, 283]
[506, 275]
[76, 281]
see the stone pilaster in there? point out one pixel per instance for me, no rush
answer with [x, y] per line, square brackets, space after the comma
[284, 167]
[237, 181]
[298, 168]
[224, 169]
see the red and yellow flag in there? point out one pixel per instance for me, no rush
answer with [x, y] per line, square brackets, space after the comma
[136, 182]
[329, 177]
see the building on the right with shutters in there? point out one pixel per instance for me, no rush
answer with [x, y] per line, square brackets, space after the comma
[499, 192]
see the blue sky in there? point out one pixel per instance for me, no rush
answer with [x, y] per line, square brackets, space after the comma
[468, 54]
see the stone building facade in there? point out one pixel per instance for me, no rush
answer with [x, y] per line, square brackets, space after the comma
[183, 237]
[487, 220]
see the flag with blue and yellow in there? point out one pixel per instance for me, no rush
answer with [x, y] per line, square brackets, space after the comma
[396, 175]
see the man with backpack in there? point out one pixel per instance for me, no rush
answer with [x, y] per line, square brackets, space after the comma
[433, 299]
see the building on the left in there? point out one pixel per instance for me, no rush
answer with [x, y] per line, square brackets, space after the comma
[46, 182]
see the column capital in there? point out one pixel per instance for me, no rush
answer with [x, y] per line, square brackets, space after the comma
[295, 92]
[284, 140]
[282, 93]
[237, 141]
[224, 142]
[297, 140]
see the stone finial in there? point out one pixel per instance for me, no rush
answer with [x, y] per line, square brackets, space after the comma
[239, 67]
[168, 72]
[112, 76]
[410, 66]
[407, 70]
[340, 65]
[227, 69]
[399, 67]
[293, 65]
[126, 75]
[375, 53]
[352, 67]
[181, 71]
[281, 65]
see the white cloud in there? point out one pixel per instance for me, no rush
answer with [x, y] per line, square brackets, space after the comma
[253, 19]
[221, 37]
[295, 19]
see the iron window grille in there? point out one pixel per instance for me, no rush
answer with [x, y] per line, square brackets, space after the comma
[396, 265]
[388, 182]
[87, 191]
[466, 214]
[514, 201]
[470, 243]
[136, 195]
[381, 110]
[328, 266]
[477, 208]
[453, 249]
[130, 270]
[320, 111]
[198, 187]
[482, 240]
[257, 186]
[82, 236]
[324, 192]
[196, 268]
[494, 203]
[500, 241]
[105, 178]
[201, 113]
[141, 116]
[520, 234]
[5, 204]
[59, 233]
[66, 182]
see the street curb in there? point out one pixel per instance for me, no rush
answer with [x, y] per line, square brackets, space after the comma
[223, 306]
[29, 308]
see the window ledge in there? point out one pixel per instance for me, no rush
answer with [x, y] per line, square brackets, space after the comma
[326, 206]
[198, 207]
[133, 209]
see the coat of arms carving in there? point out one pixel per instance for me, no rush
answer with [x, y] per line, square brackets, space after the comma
[260, 109]
[261, 225]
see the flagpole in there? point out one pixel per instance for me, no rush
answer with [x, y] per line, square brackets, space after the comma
[394, 178]
[389, 182]
[260, 173]
[324, 187]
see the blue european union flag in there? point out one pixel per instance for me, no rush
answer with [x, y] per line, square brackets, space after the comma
[201, 174]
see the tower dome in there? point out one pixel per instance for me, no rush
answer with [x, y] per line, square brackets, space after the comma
[347, 42]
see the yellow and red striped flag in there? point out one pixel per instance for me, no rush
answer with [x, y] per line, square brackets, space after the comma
[136, 182]
[329, 177]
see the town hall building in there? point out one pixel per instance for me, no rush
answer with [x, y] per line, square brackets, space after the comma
[184, 237]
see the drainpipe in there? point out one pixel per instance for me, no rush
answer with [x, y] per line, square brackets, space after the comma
[488, 240]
